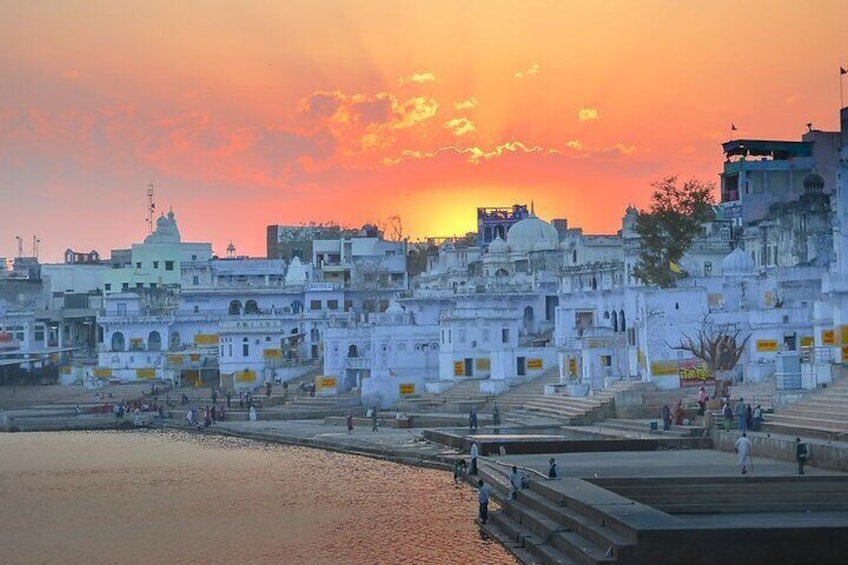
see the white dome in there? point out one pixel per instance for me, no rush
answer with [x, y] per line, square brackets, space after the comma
[737, 262]
[498, 245]
[532, 234]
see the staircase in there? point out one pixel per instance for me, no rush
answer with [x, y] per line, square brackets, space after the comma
[822, 414]
[459, 399]
[575, 410]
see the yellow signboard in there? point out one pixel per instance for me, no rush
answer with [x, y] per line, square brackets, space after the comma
[482, 364]
[272, 353]
[245, 376]
[206, 339]
[195, 357]
[407, 388]
[174, 359]
[325, 382]
[102, 373]
[459, 368]
[147, 373]
[845, 353]
[664, 368]
[534, 363]
[692, 374]
[766, 345]
[807, 341]
[572, 367]
[828, 337]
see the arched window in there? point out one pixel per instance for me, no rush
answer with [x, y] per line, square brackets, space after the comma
[245, 347]
[594, 283]
[251, 307]
[118, 343]
[614, 321]
[235, 308]
[501, 273]
[351, 351]
[499, 231]
[314, 335]
[154, 341]
[175, 340]
[621, 325]
[487, 233]
[528, 314]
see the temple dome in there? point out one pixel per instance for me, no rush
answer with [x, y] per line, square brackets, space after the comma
[166, 230]
[737, 262]
[498, 245]
[532, 234]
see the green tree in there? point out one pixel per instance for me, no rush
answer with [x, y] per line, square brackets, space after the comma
[669, 226]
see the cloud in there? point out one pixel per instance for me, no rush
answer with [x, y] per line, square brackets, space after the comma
[415, 110]
[466, 104]
[474, 154]
[585, 114]
[533, 70]
[574, 144]
[460, 126]
[417, 78]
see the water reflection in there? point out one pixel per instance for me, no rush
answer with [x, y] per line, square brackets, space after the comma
[171, 497]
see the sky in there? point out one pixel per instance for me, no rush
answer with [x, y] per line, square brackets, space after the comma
[248, 113]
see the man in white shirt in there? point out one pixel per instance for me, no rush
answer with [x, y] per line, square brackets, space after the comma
[474, 453]
[743, 449]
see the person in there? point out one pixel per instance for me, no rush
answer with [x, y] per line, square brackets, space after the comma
[474, 452]
[516, 482]
[229, 399]
[268, 389]
[728, 416]
[285, 390]
[741, 416]
[77, 410]
[459, 468]
[678, 413]
[553, 470]
[666, 417]
[496, 415]
[472, 420]
[757, 420]
[743, 449]
[483, 499]
[702, 401]
[349, 420]
[374, 418]
[214, 395]
[252, 413]
[802, 454]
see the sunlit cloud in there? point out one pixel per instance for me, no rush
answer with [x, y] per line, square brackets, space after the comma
[473, 154]
[466, 104]
[460, 126]
[574, 144]
[585, 114]
[417, 78]
[533, 70]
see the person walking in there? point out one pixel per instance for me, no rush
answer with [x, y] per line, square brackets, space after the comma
[802, 454]
[229, 398]
[496, 415]
[743, 450]
[702, 401]
[349, 421]
[553, 470]
[374, 419]
[516, 481]
[474, 452]
[483, 499]
[472, 420]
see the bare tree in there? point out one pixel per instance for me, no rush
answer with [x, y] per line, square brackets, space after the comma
[717, 345]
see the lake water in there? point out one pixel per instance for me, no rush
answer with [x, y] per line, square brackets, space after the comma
[173, 497]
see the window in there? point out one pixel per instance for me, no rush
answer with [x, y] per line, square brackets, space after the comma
[122, 308]
[138, 265]
[107, 286]
[505, 335]
[708, 268]
[152, 285]
[196, 309]
[245, 348]
[461, 336]
[139, 285]
[169, 265]
[315, 305]
[332, 305]
[125, 286]
[195, 280]
[155, 264]
[39, 333]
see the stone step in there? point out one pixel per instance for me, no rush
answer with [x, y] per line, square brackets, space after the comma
[509, 534]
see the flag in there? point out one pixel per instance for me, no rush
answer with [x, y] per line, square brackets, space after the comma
[842, 71]
[732, 127]
[674, 267]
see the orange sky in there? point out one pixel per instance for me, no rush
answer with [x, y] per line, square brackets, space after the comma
[246, 113]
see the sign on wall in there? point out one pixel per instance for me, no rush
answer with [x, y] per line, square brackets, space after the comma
[147, 373]
[664, 368]
[272, 353]
[206, 339]
[245, 376]
[406, 389]
[572, 367]
[807, 341]
[325, 382]
[459, 368]
[174, 360]
[534, 363]
[482, 364]
[102, 373]
[766, 345]
[828, 337]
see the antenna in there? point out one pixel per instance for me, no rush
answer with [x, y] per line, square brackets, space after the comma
[151, 207]
[35, 242]
[20, 241]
